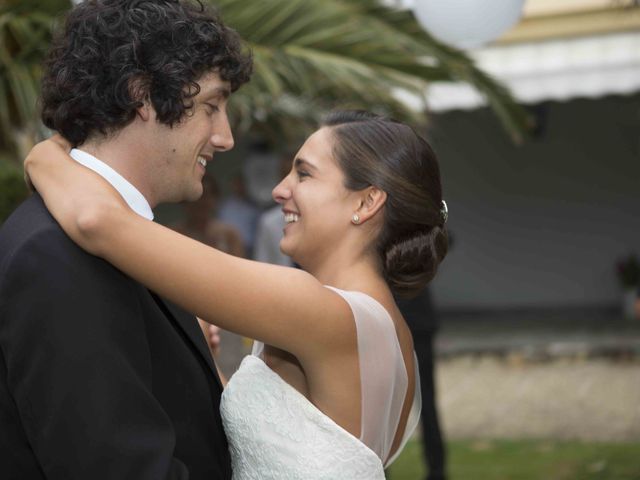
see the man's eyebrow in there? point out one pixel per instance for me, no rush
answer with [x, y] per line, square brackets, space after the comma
[223, 92]
[301, 162]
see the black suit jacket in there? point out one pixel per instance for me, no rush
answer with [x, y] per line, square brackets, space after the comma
[99, 378]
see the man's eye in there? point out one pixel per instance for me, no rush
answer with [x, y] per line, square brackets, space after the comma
[212, 108]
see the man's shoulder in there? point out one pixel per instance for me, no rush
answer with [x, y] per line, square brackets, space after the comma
[32, 210]
[31, 221]
[32, 237]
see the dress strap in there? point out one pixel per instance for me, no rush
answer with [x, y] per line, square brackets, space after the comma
[383, 375]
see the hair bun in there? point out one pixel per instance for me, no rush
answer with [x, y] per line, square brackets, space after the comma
[412, 261]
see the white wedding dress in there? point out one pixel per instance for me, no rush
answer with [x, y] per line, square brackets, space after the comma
[275, 433]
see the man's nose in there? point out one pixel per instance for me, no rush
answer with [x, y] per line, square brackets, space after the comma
[221, 136]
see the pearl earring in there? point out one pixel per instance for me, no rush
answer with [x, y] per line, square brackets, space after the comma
[355, 219]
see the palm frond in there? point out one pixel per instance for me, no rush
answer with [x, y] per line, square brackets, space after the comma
[24, 38]
[355, 51]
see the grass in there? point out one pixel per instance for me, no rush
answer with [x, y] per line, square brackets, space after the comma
[526, 460]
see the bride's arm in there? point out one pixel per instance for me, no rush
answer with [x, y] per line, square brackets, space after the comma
[281, 306]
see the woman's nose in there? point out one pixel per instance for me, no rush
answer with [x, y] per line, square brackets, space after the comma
[282, 192]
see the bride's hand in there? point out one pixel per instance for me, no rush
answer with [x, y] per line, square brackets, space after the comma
[40, 150]
[82, 202]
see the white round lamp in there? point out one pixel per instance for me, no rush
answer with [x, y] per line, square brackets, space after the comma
[467, 23]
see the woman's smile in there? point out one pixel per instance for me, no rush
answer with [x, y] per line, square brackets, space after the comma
[290, 217]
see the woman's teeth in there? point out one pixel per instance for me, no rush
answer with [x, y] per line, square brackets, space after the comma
[202, 161]
[291, 217]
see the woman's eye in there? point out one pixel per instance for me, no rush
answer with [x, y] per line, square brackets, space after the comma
[302, 174]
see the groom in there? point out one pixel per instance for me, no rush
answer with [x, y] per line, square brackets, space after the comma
[99, 377]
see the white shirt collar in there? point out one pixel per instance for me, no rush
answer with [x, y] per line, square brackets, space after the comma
[131, 194]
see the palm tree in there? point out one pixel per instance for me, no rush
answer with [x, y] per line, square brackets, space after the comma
[309, 56]
[25, 33]
[313, 55]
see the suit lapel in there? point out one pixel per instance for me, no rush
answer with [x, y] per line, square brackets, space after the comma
[188, 324]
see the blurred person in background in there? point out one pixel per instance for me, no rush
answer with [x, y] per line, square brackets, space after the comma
[422, 319]
[212, 335]
[201, 222]
[270, 227]
[268, 237]
[238, 210]
[332, 387]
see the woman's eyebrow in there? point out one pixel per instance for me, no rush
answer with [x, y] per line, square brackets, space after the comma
[301, 162]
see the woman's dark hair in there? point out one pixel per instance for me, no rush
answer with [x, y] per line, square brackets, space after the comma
[376, 151]
[113, 54]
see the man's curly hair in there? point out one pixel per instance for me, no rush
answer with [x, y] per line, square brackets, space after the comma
[114, 54]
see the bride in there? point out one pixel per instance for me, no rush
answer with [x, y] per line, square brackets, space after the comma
[331, 390]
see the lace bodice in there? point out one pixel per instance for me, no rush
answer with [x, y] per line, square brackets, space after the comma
[275, 432]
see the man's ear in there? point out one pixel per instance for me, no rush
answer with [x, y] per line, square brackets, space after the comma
[372, 199]
[139, 92]
[144, 111]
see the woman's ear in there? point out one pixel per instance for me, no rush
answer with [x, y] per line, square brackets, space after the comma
[371, 201]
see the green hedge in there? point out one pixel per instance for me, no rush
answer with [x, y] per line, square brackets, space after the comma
[12, 189]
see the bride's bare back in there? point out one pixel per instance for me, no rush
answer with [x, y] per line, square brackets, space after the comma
[333, 384]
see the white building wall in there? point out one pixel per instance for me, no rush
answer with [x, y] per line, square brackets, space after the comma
[540, 225]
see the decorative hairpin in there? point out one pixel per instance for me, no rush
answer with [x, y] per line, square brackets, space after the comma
[444, 212]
